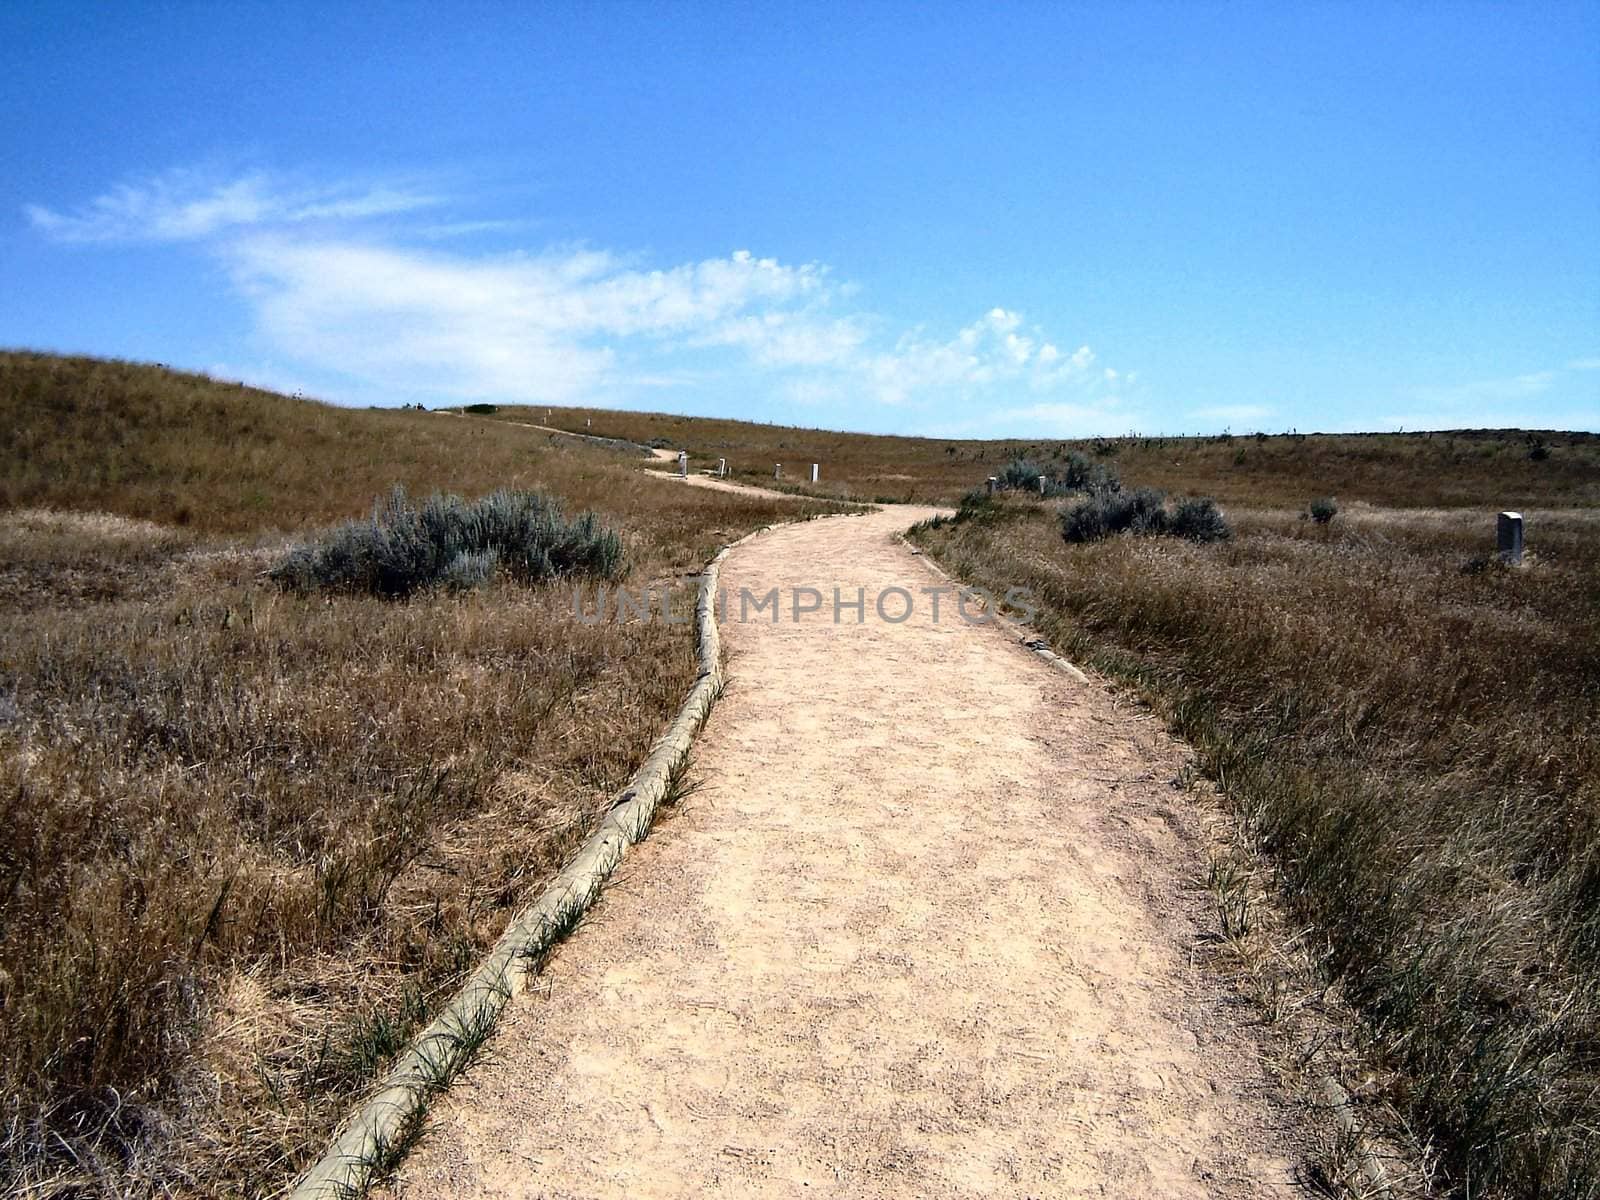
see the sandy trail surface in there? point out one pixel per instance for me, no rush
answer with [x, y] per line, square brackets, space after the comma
[723, 485]
[925, 930]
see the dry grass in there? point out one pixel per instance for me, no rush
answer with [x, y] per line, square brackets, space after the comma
[1410, 734]
[252, 838]
[1501, 469]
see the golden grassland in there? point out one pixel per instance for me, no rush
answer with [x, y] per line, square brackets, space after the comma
[252, 838]
[1410, 734]
[1499, 468]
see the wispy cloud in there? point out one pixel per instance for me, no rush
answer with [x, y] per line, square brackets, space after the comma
[554, 326]
[407, 307]
[191, 205]
[1547, 399]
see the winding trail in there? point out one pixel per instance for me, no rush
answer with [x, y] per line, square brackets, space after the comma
[925, 930]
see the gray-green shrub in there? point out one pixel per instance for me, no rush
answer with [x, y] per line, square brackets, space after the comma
[1198, 519]
[1143, 511]
[1323, 509]
[1076, 474]
[406, 547]
[1022, 473]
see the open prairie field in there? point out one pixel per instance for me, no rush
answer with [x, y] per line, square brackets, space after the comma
[252, 837]
[1498, 468]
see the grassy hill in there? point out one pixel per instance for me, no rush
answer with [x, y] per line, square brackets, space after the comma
[1493, 468]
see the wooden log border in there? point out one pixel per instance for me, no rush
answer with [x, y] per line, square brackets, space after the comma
[369, 1141]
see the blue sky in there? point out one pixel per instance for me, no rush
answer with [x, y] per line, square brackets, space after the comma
[951, 219]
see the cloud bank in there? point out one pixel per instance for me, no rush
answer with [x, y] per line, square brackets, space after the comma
[354, 280]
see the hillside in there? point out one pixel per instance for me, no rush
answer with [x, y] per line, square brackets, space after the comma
[1499, 468]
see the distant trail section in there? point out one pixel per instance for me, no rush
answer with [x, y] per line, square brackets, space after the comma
[924, 931]
[660, 455]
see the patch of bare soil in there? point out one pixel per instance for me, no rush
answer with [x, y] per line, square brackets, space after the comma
[926, 930]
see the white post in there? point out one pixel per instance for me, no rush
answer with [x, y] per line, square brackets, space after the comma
[777, 470]
[1510, 531]
[1044, 484]
[588, 422]
[813, 472]
[722, 468]
[683, 463]
[994, 485]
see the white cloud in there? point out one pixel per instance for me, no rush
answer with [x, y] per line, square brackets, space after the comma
[407, 311]
[555, 326]
[988, 353]
[190, 205]
[567, 324]
[1548, 399]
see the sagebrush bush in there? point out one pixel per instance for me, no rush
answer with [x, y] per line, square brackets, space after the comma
[1143, 511]
[1081, 474]
[1323, 509]
[1022, 473]
[1106, 512]
[404, 547]
[1076, 474]
[1198, 519]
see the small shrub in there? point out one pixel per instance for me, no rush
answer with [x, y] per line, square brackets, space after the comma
[1022, 474]
[1143, 511]
[1538, 452]
[1146, 510]
[1090, 521]
[446, 541]
[482, 410]
[1199, 520]
[1076, 474]
[1107, 512]
[976, 505]
[1081, 474]
[1323, 510]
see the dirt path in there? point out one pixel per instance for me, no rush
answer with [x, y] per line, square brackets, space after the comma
[924, 931]
[744, 489]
